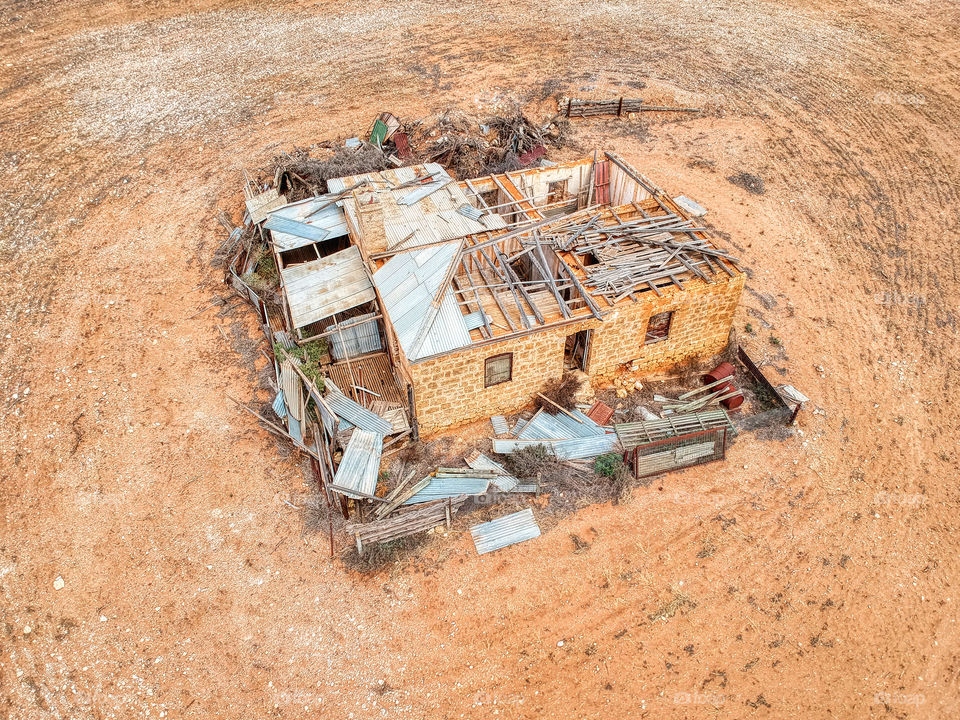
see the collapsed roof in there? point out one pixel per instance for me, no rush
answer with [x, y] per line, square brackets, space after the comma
[457, 263]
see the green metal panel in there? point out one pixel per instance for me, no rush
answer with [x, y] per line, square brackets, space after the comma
[379, 133]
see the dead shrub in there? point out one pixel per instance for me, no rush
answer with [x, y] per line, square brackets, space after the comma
[299, 176]
[562, 391]
[314, 514]
[377, 556]
[532, 462]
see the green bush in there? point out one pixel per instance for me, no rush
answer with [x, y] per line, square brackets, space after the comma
[308, 355]
[609, 465]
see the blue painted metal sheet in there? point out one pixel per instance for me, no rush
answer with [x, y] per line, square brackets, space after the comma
[295, 227]
[449, 487]
[293, 425]
[320, 212]
[279, 407]
[504, 531]
[356, 414]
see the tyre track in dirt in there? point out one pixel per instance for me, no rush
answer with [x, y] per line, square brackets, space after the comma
[742, 60]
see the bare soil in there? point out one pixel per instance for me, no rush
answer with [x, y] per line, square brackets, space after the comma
[812, 576]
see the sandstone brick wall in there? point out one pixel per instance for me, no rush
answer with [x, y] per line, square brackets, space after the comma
[702, 315]
[449, 389]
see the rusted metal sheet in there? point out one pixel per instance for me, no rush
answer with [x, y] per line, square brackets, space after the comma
[601, 183]
[532, 155]
[402, 142]
[600, 413]
[679, 452]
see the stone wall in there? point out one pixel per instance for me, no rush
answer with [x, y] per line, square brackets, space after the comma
[449, 389]
[702, 315]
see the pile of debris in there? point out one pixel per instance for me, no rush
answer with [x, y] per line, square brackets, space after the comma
[472, 147]
[641, 254]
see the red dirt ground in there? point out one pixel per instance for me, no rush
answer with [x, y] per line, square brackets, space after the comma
[813, 576]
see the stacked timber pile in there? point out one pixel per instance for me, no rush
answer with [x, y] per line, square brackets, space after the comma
[641, 254]
[420, 519]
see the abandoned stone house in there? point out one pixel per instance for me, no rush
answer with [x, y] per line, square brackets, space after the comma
[457, 300]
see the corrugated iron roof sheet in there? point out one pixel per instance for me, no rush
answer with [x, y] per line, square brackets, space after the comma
[432, 219]
[499, 423]
[296, 228]
[585, 428]
[542, 426]
[278, 407]
[474, 320]
[292, 389]
[504, 480]
[504, 531]
[448, 487]
[408, 283]
[259, 206]
[547, 426]
[563, 449]
[329, 219]
[356, 414]
[317, 289]
[360, 466]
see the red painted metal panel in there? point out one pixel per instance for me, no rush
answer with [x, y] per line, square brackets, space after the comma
[600, 413]
[601, 183]
[533, 155]
[403, 145]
